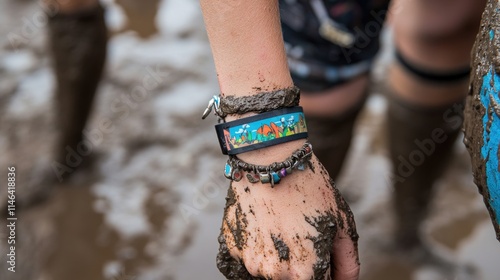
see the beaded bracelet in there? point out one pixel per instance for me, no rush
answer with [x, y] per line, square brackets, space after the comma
[270, 174]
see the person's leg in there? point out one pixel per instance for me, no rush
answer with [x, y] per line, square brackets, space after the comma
[77, 37]
[333, 77]
[331, 131]
[427, 85]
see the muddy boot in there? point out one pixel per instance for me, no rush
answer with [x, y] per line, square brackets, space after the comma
[420, 144]
[331, 137]
[78, 44]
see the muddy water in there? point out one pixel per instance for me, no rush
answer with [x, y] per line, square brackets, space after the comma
[74, 238]
[391, 269]
[453, 233]
[140, 16]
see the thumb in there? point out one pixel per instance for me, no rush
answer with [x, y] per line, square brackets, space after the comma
[345, 258]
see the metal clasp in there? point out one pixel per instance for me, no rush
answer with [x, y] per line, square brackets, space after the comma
[213, 104]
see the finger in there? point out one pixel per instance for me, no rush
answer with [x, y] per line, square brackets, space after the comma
[231, 267]
[345, 248]
[345, 258]
[227, 237]
[345, 264]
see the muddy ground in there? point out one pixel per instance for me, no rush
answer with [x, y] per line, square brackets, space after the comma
[150, 205]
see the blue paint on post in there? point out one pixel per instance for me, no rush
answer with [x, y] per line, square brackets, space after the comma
[491, 140]
[492, 35]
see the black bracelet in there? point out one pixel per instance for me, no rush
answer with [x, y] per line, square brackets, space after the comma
[262, 130]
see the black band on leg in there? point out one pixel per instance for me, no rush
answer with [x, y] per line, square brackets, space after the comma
[430, 75]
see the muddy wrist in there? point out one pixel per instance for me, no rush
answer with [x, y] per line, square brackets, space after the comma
[278, 103]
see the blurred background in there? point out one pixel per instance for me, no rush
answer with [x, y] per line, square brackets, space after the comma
[145, 200]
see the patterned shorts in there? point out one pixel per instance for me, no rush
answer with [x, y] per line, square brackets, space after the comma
[329, 42]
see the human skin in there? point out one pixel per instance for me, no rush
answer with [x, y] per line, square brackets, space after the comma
[335, 101]
[436, 35]
[249, 55]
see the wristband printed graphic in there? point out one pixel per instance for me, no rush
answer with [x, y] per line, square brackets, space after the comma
[262, 130]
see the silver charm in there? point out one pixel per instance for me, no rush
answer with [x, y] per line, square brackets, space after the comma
[265, 178]
[212, 104]
[237, 175]
[253, 178]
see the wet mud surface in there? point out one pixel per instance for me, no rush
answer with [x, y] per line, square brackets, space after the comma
[151, 204]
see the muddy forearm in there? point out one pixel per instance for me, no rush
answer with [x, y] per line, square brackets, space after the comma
[247, 45]
[249, 55]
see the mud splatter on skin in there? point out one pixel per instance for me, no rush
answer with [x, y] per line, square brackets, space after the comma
[251, 210]
[327, 230]
[230, 198]
[281, 247]
[326, 224]
[238, 228]
[343, 207]
[229, 266]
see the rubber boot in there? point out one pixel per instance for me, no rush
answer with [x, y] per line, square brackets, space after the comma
[420, 143]
[78, 44]
[331, 137]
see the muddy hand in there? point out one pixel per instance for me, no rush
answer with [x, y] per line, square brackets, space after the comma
[300, 229]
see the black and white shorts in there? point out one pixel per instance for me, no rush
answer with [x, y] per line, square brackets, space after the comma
[330, 42]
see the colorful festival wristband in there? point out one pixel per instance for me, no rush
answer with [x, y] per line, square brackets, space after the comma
[262, 130]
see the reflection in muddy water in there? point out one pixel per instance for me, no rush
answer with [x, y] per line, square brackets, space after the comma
[140, 16]
[390, 270]
[451, 234]
[81, 250]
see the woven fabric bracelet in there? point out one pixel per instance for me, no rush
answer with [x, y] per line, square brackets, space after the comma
[261, 102]
[270, 174]
[258, 103]
[261, 131]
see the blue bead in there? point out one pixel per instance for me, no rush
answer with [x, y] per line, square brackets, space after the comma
[228, 170]
[276, 177]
